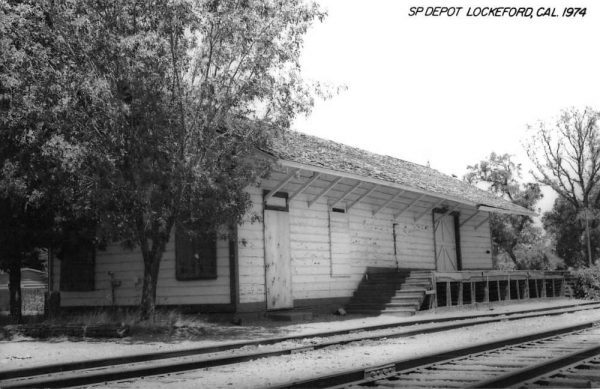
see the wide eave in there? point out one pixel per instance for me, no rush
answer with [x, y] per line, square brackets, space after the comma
[300, 151]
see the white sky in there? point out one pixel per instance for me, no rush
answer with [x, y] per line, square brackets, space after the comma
[448, 91]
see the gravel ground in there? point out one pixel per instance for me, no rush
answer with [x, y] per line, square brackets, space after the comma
[25, 352]
[275, 371]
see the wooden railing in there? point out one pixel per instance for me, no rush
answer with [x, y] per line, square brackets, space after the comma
[469, 287]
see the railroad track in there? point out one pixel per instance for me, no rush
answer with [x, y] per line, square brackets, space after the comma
[568, 357]
[110, 369]
[580, 374]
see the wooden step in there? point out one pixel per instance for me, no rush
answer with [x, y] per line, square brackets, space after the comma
[412, 306]
[404, 294]
[388, 275]
[397, 314]
[413, 289]
[417, 282]
[375, 292]
[416, 285]
[419, 277]
[420, 274]
[399, 311]
[371, 285]
[406, 300]
[368, 300]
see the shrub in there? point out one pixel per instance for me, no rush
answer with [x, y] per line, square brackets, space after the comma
[586, 282]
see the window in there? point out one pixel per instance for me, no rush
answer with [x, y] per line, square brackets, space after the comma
[195, 258]
[78, 258]
[277, 202]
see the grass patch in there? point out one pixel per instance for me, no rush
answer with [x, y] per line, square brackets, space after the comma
[129, 317]
[110, 322]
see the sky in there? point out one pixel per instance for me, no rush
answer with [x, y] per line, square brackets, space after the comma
[448, 91]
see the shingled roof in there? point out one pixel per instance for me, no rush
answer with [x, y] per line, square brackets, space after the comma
[313, 151]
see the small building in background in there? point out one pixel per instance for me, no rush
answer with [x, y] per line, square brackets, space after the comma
[34, 284]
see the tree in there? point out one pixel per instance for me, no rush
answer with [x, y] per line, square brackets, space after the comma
[564, 224]
[167, 103]
[34, 100]
[566, 154]
[511, 234]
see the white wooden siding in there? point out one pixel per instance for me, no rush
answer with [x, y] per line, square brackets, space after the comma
[370, 244]
[127, 266]
[370, 240]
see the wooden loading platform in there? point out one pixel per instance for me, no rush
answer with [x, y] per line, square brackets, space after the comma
[403, 292]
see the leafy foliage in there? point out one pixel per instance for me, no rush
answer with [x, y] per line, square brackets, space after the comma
[587, 282]
[564, 223]
[35, 191]
[512, 235]
[150, 113]
[567, 157]
[566, 154]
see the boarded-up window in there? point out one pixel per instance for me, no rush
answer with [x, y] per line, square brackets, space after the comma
[77, 265]
[339, 244]
[195, 258]
[277, 202]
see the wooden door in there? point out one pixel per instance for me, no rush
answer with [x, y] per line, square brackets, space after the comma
[446, 253]
[278, 270]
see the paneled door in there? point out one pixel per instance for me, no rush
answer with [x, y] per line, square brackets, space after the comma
[446, 256]
[278, 269]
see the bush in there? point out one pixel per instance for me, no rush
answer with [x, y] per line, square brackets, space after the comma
[586, 282]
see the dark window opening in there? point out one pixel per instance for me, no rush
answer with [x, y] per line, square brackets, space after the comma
[339, 210]
[278, 202]
[77, 264]
[195, 257]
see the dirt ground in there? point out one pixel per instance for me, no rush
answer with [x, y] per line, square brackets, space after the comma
[26, 352]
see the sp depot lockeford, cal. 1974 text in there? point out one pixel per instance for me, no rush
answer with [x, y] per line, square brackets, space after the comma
[512, 12]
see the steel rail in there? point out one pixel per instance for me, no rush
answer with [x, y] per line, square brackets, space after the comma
[365, 375]
[110, 369]
[538, 370]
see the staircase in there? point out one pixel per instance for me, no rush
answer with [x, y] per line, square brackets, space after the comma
[400, 293]
[411, 295]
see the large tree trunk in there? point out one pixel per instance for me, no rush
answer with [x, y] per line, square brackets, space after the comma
[14, 286]
[153, 242]
[151, 266]
[152, 259]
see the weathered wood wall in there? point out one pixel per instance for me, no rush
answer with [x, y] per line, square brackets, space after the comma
[127, 267]
[314, 276]
[371, 243]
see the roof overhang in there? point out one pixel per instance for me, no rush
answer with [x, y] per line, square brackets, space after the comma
[376, 181]
[487, 208]
[319, 169]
